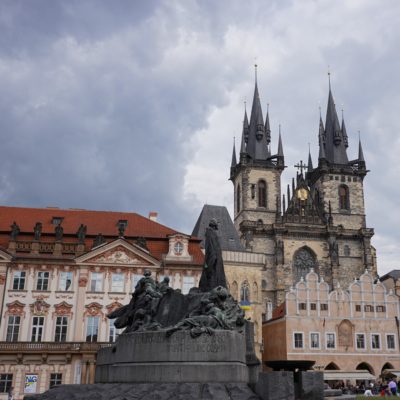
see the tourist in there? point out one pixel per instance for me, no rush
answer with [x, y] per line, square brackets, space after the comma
[393, 387]
[10, 394]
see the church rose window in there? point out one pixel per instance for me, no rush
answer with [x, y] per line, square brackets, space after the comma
[303, 262]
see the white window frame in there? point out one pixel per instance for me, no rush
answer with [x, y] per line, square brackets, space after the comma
[294, 340]
[319, 341]
[89, 325]
[44, 279]
[63, 325]
[365, 341]
[19, 276]
[121, 288]
[95, 281]
[15, 328]
[62, 282]
[187, 286]
[394, 341]
[37, 331]
[380, 343]
[326, 340]
[113, 332]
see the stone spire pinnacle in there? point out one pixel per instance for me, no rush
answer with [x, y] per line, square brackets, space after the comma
[344, 133]
[360, 152]
[310, 165]
[321, 139]
[267, 127]
[335, 148]
[234, 162]
[280, 147]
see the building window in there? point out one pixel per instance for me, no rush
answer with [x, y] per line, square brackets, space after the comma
[314, 340]
[330, 341]
[346, 250]
[302, 306]
[117, 282]
[368, 308]
[360, 341]
[14, 322]
[178, 248]
[19, 280]
[238, 194]
[135, 280]
[313, 306]
[5, 382]
[245, 292]
[55, 379]
[92, 328]
[324, 307]
[298, 340]
[375, 341]
[344, 203]
[390, 343]
[358, 307]
[113, 332]
[37, 329]
[42, 281]
[61, 329]
[262, 194]
[188, 283]
[96, 282]
[65, 281]
[380, 308]
[57, 220]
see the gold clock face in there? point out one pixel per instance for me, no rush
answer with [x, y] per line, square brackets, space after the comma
[302, 194]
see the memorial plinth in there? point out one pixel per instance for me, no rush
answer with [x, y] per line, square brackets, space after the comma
[155, 357]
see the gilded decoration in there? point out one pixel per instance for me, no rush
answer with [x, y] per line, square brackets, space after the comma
[93, 309]
[15, 308]
[63, 308]
[39, 307]
[113, 306]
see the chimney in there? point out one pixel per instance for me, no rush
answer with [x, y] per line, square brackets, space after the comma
[153, 216]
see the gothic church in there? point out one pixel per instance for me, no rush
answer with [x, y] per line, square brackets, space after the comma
[318, 223]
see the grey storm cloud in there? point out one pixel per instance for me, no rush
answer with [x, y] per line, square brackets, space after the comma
[133, 105]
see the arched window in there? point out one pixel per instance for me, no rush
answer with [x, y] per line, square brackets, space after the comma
[344, 201]
[262, 194]
[238, 194]
[234, 289]
[303, 260]
[366, 366]
[255, 291]
[245, 291]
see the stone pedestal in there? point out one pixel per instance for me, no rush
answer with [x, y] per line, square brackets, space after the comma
[154, 357]
[311, 385]
[276, 385]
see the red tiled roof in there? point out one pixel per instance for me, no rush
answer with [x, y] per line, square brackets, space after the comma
[104, 222]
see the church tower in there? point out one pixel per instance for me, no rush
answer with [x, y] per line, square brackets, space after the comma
[257, 176]
[319, 224]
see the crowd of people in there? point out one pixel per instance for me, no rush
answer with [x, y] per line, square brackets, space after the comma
[381, 388]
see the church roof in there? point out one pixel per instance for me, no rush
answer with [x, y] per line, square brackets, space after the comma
[229, 239]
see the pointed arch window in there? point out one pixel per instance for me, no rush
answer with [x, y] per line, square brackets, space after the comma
[245, 292]
[344, 199]
[238, 195]
[303, 260]
[262, 194]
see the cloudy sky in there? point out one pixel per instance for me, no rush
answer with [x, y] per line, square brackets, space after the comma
[133, 105]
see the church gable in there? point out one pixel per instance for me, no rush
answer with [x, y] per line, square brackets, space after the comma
[119, 252]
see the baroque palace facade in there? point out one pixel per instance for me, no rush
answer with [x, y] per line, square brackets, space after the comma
[61, 273]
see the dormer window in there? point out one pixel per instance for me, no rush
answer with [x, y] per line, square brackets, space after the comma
[122, 223]
[178, 248]
[57, 220]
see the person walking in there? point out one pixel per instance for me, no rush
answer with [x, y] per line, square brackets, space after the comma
[393, 387]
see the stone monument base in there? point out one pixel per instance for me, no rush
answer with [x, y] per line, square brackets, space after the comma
[149, 391]
[154, 357]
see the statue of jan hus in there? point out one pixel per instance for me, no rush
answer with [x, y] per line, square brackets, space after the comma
[213, 274]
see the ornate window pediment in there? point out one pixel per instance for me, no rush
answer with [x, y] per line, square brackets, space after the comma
[303, 260]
